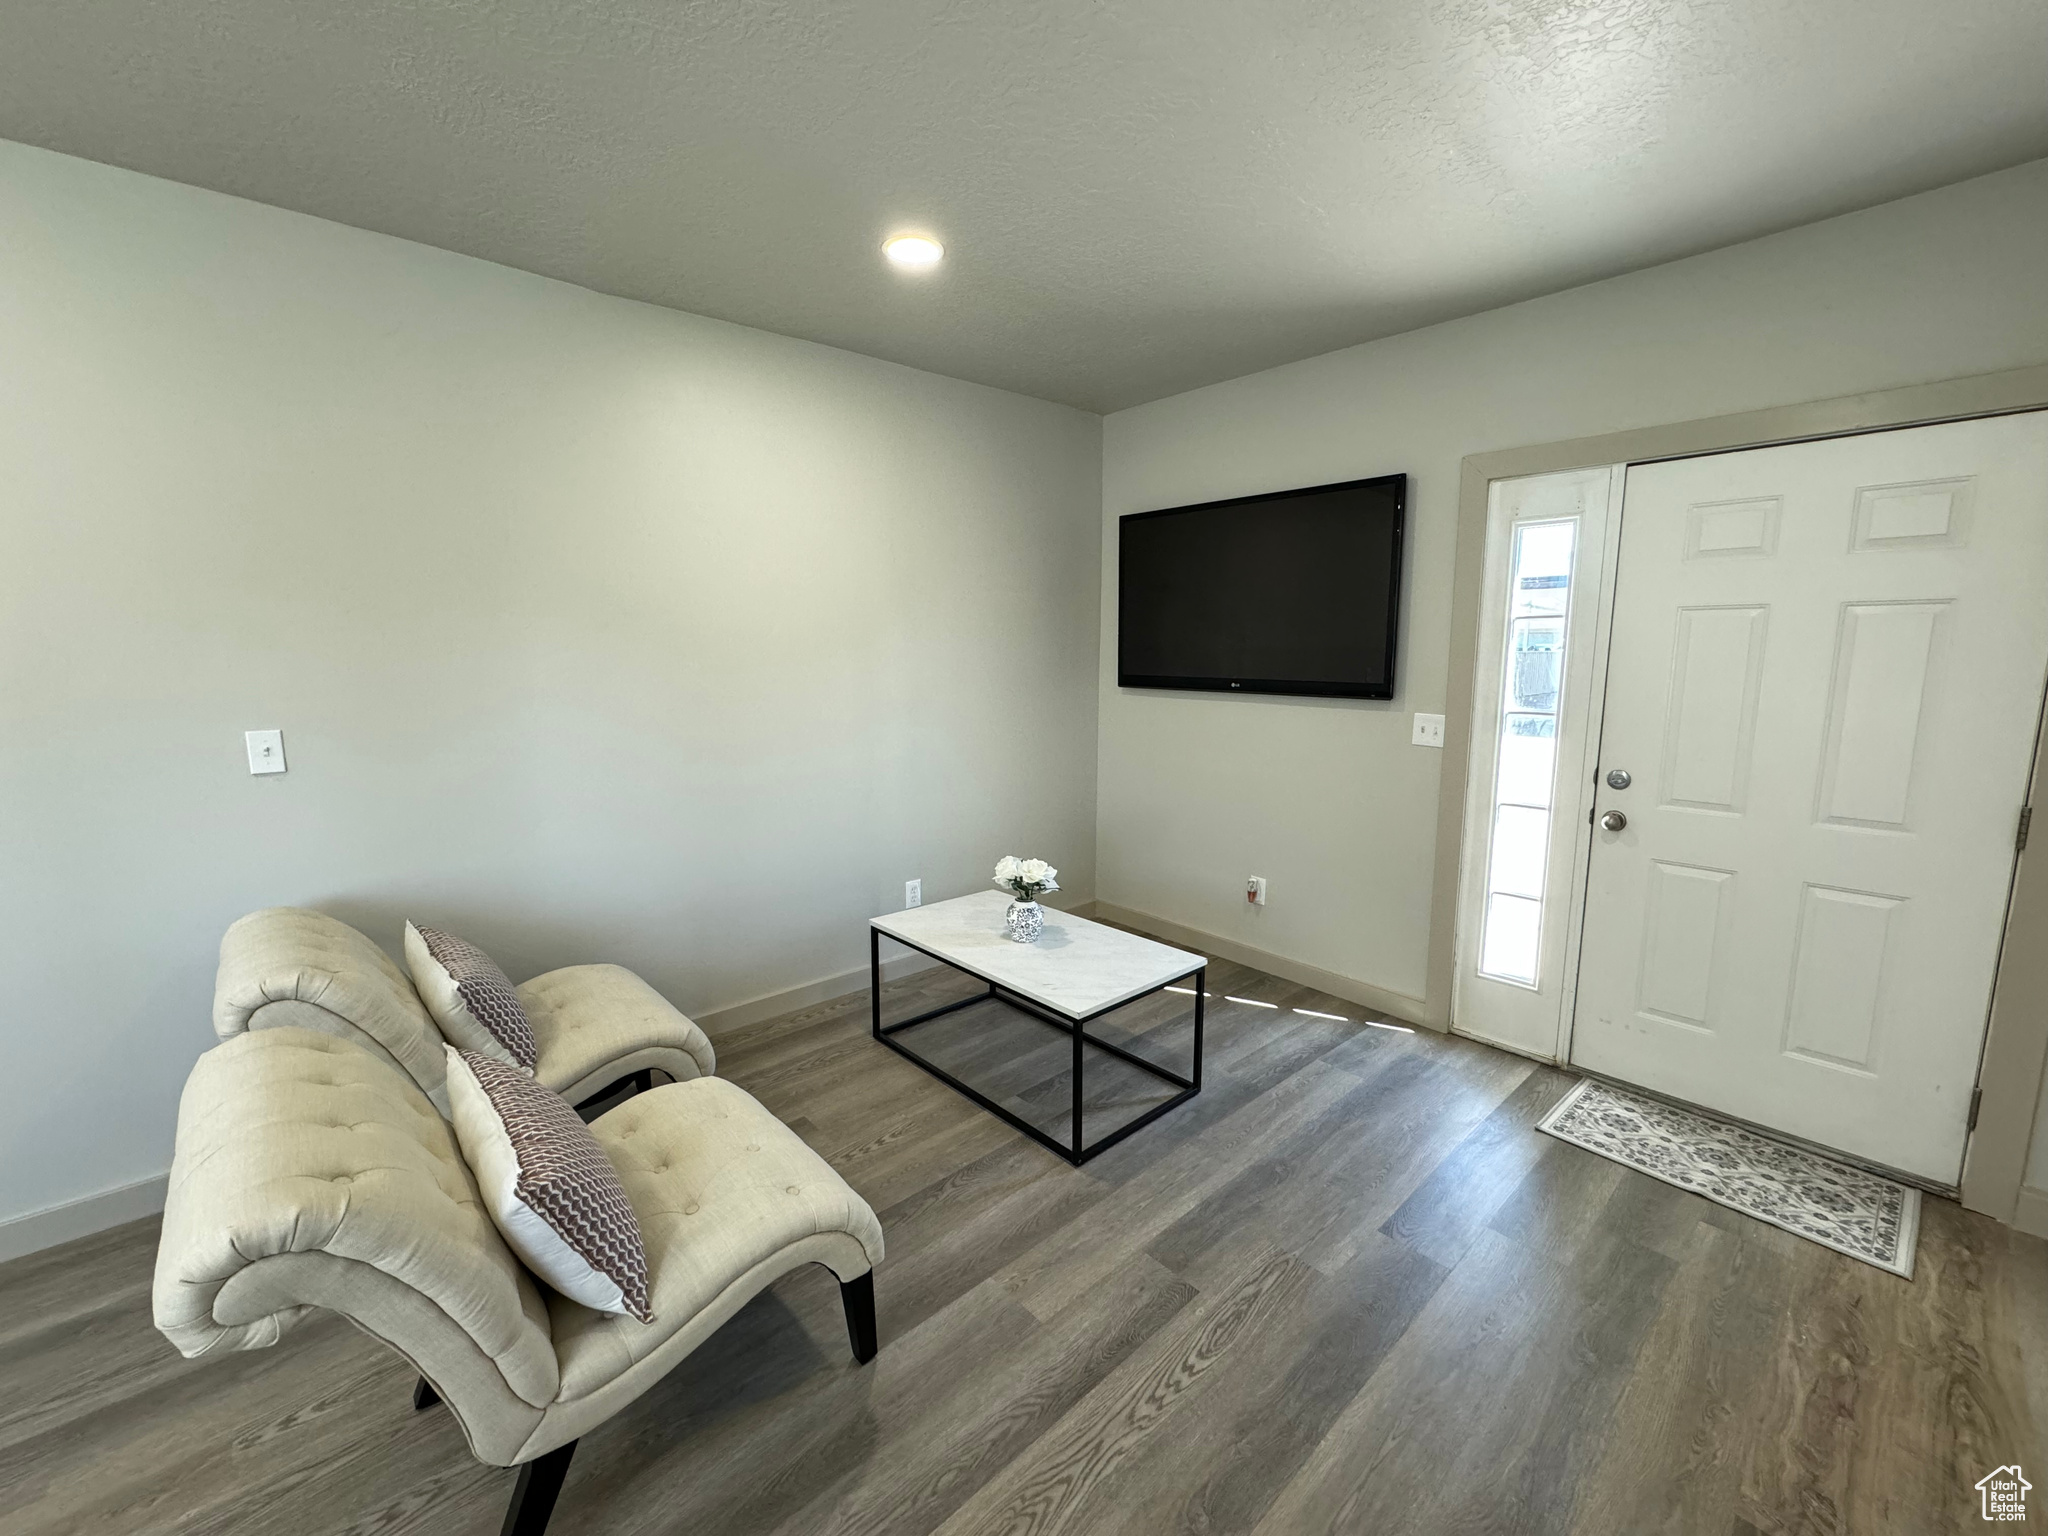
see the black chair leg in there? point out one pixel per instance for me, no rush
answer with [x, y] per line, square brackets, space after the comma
[424, 1395]
[859, 1297]
[533, 1498]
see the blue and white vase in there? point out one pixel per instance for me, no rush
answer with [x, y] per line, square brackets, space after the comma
[1025, 920]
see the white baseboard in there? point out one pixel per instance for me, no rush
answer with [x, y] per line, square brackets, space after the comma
[56, 1224]
[1395, 1005]
[2031, 1214]
[723, 1021]
[95, 1213]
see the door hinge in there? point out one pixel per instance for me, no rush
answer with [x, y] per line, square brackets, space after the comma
[2026, 821]
[1976, 1103]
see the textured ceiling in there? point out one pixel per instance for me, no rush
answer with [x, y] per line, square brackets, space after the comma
[1137, 198]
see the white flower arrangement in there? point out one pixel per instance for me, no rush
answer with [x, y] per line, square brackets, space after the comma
[1026, 879]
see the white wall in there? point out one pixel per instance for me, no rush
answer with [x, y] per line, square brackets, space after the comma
[596, 631]
[1328, 800]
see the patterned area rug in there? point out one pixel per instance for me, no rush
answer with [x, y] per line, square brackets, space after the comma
[1840, 1207]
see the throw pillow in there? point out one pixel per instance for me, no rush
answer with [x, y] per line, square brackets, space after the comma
[548, 1185]
[474, 1002]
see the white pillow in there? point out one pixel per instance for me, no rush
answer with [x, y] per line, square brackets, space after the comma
[548, 1185]
[471, 999]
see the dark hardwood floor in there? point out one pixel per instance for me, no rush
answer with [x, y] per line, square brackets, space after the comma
[1348, 1288]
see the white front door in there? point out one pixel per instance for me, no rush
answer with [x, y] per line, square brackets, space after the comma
[1824, 681]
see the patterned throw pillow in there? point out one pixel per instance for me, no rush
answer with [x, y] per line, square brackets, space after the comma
[470, 998]
[548, 1185]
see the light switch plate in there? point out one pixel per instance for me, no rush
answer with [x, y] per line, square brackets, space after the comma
[1429, 731]
[266, 751]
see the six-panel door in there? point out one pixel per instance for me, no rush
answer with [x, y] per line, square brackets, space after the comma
[1825, 678]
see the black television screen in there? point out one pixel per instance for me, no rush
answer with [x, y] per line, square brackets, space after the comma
[1293, 592]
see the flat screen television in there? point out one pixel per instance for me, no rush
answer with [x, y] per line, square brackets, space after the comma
[1295, 592]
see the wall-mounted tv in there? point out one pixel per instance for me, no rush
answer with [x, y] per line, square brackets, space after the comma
[1294, 592]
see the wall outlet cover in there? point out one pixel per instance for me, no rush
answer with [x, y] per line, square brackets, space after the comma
[913, 893]
[1429, 731]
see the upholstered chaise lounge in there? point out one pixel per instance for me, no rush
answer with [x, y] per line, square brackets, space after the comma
[310, 1173]
[597, 1026]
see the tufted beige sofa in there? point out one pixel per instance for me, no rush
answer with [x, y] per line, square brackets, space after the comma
[310, 1172]
[596, 1025]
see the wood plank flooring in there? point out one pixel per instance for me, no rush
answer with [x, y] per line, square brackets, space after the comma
[1348, 1288]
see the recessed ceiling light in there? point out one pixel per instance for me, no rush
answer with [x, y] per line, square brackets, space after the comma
[913, 252]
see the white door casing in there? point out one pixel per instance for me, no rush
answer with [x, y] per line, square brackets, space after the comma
[1523, 1013]
[1825, 675]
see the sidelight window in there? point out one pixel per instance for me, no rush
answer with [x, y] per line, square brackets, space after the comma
[1525, 757]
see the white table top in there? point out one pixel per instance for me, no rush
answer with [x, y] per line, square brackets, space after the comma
[1076, 968]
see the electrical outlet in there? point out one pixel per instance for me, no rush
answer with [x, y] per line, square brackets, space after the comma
[1255, 891]
[266, 751]
[1429, 731]
[913, 893]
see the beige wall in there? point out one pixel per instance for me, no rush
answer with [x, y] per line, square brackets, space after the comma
[2037, 1157]
[596, 631]
[1328, 800]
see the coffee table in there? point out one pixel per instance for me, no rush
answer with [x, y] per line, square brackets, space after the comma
[1076, 972]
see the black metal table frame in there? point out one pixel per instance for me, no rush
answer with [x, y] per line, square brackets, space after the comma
[1079, 1152]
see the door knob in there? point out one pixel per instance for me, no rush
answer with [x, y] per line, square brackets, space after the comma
[1614, 821]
